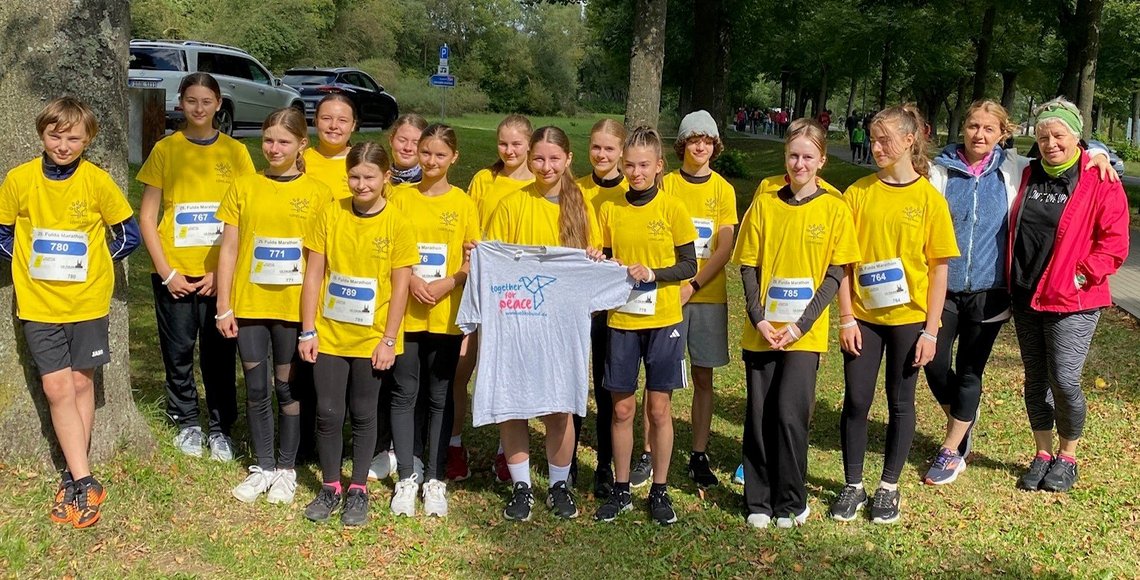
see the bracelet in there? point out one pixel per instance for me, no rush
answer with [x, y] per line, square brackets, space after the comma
[794, 331]
[166, 282]
[696, 285]
[931, 337]
[652, 275]
[306, 335]
[224, 315]
[847, 316]
[847, 325]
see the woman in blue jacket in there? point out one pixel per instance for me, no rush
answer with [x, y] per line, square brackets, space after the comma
[980, 181]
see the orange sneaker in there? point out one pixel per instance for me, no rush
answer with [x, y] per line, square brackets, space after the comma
[64, 498]
[86, 507]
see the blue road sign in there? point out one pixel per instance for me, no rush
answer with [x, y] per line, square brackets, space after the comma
[443, 52]
[442, 81]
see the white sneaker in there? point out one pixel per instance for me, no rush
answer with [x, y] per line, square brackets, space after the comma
[383, 466]
[435, 498]
[759, 520]
[404, 500]
[284, 487]
[794, 522]
[255, 484]
[190, 441]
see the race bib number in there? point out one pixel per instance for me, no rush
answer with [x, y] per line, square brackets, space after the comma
[276, 261]
[58, 255]
[703, 244]
[882, 284]
[350, 299]
[195, 224]
[433, 262]
[642, 299]
[788, 298]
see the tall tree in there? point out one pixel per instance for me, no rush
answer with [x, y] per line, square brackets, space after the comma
[983, 46]
[80, 50]
[647, 57]
[1079, 26]
[711, 42]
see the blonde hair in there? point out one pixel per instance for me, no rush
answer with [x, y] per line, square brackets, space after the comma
[645, 136]
[906, 119]
[292, 120]
[518, 123]
[991, 108]
[809, 129]
[609, 127]
[65, 113]
[573, 225]
[412, 119]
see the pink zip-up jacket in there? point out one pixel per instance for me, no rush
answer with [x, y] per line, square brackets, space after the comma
[1091, 239]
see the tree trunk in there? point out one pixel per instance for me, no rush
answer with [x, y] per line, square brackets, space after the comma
[647, 57]
[821, 97]
[983, 46]
[1091, 19]
[851, 97]
[710, 58]
[80, 50]
[1135, 136]
[885, 77]
[953, 126]
[784, 90]
[1008, 89]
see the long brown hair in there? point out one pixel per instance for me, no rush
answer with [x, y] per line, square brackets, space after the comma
[907, 120]
[518, 123]
[292, 120]
[370, 152]
[573, 222]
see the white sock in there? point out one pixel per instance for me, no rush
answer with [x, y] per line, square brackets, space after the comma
[888, 486]
[456, 441]
[557, 473]
[857, 485]
[500, 451]
[520, 471]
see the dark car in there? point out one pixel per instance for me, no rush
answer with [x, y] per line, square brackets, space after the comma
[373, 104]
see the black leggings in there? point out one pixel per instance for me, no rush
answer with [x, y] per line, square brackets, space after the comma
[339, 379]
[861, 374]
[781, 394]
[425, 371]
[959, 386]
[599, 340]
[255, 337]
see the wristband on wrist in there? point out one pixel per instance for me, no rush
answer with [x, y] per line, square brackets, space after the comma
[173, 272]
[847, 325]
[696, 285]
[306, 335]
[224, 315]
[931, 337]
[847, 316]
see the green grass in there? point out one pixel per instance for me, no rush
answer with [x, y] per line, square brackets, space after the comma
[172, 516]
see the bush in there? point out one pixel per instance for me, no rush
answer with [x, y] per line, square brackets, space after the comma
[415, 95]
[1127, 151]
[731, 163]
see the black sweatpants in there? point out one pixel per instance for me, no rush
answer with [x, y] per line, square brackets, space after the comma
[340, 380]
[955, 378]
[599, 341]
[182, 323]
[426, 371]
[861, 375]
[781, 394]
[256, 340]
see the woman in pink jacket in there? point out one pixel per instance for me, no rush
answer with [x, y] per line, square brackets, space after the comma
[1069, 232]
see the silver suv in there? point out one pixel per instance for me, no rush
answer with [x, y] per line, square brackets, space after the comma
[249, 91]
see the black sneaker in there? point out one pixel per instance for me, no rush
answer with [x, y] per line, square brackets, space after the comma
[355, 508]
[1031, 479]
[1061, 476]
[619, 501]
[603, 481]
[561, 501]
[324, 505]
[851, 499]
[699, 470]
[642, 471]
[518, 508]
[885, 506]
[661, 508]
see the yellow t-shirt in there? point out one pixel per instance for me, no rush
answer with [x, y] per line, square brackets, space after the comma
[526, 217]
[272, 218]
[193, 178]
[711, 205]
[57, 221]
[442, 224]
[774, 183]
[488, 191]
[794, 244]
[648, 235]
[331, 171]
[909, 223]
[596, 195]
[360, 254]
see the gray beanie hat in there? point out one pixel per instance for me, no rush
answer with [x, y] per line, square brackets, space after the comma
[697, 123]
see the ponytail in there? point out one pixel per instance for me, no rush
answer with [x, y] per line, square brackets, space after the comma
[907, 120]
[646, 136]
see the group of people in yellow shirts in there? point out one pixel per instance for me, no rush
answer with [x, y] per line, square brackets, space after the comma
[336, 274]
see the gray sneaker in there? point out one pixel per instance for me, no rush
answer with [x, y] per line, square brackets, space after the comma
[221, 447]
[642, 471]
[189, 441]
